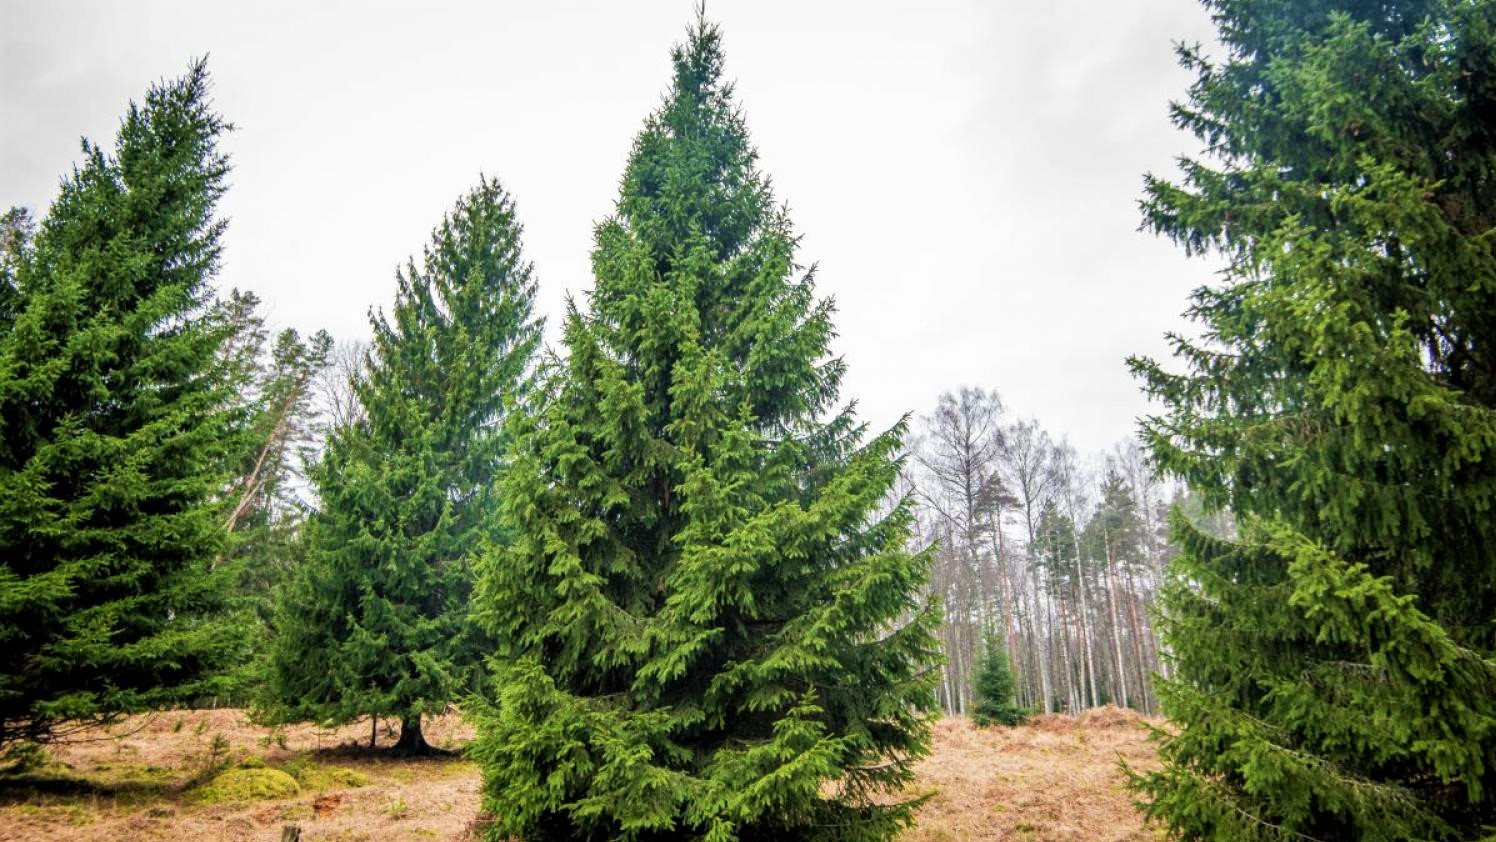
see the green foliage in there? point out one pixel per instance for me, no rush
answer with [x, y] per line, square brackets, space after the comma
[115, 427]
[1055, 549]
[16, 230]
[1115, 533]
[995, 688]
[705, 628]
[376, 620]
[276, 427]
[1334, 675]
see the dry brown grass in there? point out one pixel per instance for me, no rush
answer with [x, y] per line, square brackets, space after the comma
[1053, 781]
[134, 783]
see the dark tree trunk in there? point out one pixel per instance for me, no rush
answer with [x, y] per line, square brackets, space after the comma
[412, 742]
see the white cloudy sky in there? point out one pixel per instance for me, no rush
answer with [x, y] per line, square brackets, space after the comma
[965, 173]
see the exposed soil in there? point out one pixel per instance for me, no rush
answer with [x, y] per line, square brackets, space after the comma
[1056, 780]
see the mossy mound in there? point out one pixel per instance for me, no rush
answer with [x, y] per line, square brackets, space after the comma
[238, 785]
[318, 778]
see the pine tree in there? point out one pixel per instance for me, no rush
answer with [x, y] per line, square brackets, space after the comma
[1055, 549]
[278, 425]
[115, 421]
[995, 688]
[705, 628]
[16, 230]
[276, 382]
[376, 622]
[1335, 675]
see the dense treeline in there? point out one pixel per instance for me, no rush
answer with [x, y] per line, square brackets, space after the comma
[682, 590]
[1058, 555]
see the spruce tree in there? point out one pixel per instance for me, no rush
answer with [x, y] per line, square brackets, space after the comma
[376, 622]
[1334, 674]
[995, 688]
[115, 424]
[706, 628]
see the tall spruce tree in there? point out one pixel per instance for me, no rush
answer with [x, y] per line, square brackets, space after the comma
[706, 630]
[115, 425]
[376, 622]
[1335, 676]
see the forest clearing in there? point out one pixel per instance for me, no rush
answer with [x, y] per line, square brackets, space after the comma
[616, 497]
[1056, 779]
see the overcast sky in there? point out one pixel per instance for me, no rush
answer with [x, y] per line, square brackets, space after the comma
[965, 173]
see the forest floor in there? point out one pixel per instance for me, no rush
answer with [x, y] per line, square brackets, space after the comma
[153, 778]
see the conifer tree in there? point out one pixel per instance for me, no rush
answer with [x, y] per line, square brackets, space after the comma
[1055, 548]
[278, 424]
[376, 622]
[706, 630]
[1334, 662]
[995, 688]
[115, 423]
[15, 237]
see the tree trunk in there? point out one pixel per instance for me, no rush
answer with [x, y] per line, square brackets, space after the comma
[1137, 641]
[1000, 549]
[1085, 617]
[1111, 590]
[412, 741]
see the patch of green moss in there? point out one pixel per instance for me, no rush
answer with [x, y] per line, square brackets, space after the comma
[139, 776]
[318, 778]
[239, 785]
[315, 778]
[76, 815]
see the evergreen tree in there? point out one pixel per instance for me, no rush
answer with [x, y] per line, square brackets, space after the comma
[705, 628]
[995, 688]
[15, 238]
[1055, 549]
[1115, 531]
[1334, 663]
[277, 427]
[376, 622]
[280, 420]
[115, 423]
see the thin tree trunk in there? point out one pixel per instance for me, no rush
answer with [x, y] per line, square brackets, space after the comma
[252, 483]
[1067, 662]
[1085, 619]
[1111, 592]
[1137, 642]
[1046, 679]
[1000, 550]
